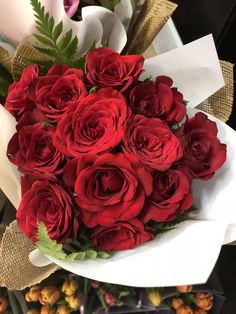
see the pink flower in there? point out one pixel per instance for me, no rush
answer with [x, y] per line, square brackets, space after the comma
[71, 6]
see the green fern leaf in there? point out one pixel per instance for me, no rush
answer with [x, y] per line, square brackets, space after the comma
[57, 31]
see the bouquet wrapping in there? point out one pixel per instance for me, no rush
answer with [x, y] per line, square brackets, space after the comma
[212, 82]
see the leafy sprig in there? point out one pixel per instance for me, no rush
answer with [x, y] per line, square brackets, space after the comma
[52, 248]
[162, 227]
[60, 48]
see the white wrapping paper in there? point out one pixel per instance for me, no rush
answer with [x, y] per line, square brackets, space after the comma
[188, 253]
[17, 22]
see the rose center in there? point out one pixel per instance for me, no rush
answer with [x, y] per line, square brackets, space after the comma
[110, 182]
[164, 187]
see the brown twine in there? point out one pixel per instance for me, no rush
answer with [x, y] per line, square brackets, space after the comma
[148, 23]
[17, 272]
[5, 59]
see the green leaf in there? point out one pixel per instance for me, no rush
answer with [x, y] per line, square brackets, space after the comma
[43, 39]
[103, 254]
[72, 48]
[109, 4]
[65, 40]
[5, 81]
[101, 299]
[91, 254]
[123, 294]
[57, 31]
[46, 123]
[61, 49]
[93, 90]
[51, 247]
[186, 102]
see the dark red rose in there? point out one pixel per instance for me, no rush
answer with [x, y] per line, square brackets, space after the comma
[59, 91]
[106, 68]
[204, 154]
[32, 150]
[158, 100]
[171, 197]
[21, 94]
[108, 188]
[96, 126]
[49, 203]
[152, 142]
[120, 236]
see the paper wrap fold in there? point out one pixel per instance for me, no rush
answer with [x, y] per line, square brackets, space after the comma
[98, 24]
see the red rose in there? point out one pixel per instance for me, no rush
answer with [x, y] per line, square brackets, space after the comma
[152, 142]
[32, 150]
[158, 100]
[49, 203]
[120, 236]
[107, 68]
[59, 91]
[204, 153]
[171, 196]
[96, 126]
[108, 188]
[21, 94]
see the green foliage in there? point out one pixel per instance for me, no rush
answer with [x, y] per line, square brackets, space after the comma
[109, 4]
[61, 49]
[162, 227]
[5, 81]
[52, 248]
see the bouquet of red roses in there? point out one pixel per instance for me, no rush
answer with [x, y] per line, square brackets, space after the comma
[108, 160]
[109, 157]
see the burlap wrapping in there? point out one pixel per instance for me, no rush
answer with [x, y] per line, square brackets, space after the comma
[220, 104]
[5, 59]
[24, 53]
[148, 23]
[16, 270]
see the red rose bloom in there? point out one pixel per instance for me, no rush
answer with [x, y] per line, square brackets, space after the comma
[158, 100]
[96, 126]
[120, 236]
[20, 96]
[171, 197]
[106, 68]
[204, 153]
[59, 91]
[152, 142]
[32, 150]
[49, 203]
[108, 188]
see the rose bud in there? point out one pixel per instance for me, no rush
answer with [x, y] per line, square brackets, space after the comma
[184, 289]
[204, 300]
[176, 303]
[74, 301]
[184, 309]
[47, 309]
[3, 304]
[33, 294]
[49, 295]
[63, 309]
[109, 298]
[200, 311]
[95, 284]
[33, 311]
[155, 298]
[69, 286]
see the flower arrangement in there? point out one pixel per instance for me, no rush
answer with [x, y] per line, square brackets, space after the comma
[108, 160]
[66, 293]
